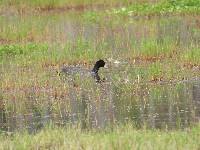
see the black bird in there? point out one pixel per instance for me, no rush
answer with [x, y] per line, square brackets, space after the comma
[73, 70]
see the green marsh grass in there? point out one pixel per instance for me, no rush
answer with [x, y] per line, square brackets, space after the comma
[133, 7]
[192, 56]
[22, 49]
[161, 7]
[122, 137]
[58, 3]
[39, 58]
[152, 48]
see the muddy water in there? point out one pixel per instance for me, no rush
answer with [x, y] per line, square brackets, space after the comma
[165, 105]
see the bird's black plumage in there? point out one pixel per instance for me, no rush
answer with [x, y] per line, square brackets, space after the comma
[73, 70]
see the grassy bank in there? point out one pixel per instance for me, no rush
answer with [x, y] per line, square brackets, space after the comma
[51, 4]
[57, 3]
[134, 7]
[161, 7]
[124, 137]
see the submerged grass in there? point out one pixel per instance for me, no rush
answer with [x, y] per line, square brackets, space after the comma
[122, 137]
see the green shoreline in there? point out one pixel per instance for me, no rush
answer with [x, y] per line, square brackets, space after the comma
[123, 137]
[119, 7]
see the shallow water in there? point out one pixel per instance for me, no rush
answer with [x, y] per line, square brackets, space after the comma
[154, 105]
[167, 105]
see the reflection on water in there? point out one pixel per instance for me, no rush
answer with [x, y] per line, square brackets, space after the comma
[155, 106]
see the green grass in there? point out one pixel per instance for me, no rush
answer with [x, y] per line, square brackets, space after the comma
[162, 7]
[192, 56]
[152, 48]
[123, 137]
[165, 7]
[128, 9]
[30, 28]
[20, 49]
[50, 4]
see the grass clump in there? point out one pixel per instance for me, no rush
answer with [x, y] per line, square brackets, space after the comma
[123, 137]
[152, 48]
[192, 56]
[155, 71]
[50, 4]
[19, 49]
[162, 7]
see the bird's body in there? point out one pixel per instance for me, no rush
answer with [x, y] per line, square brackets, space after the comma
[83, 72]
[72, 70]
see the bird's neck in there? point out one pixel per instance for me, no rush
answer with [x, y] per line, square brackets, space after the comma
[95, 69]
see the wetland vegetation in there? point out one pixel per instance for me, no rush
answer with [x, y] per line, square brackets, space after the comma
[151, 94]
[122, 137]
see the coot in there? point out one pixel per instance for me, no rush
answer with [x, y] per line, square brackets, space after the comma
[74, 70]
